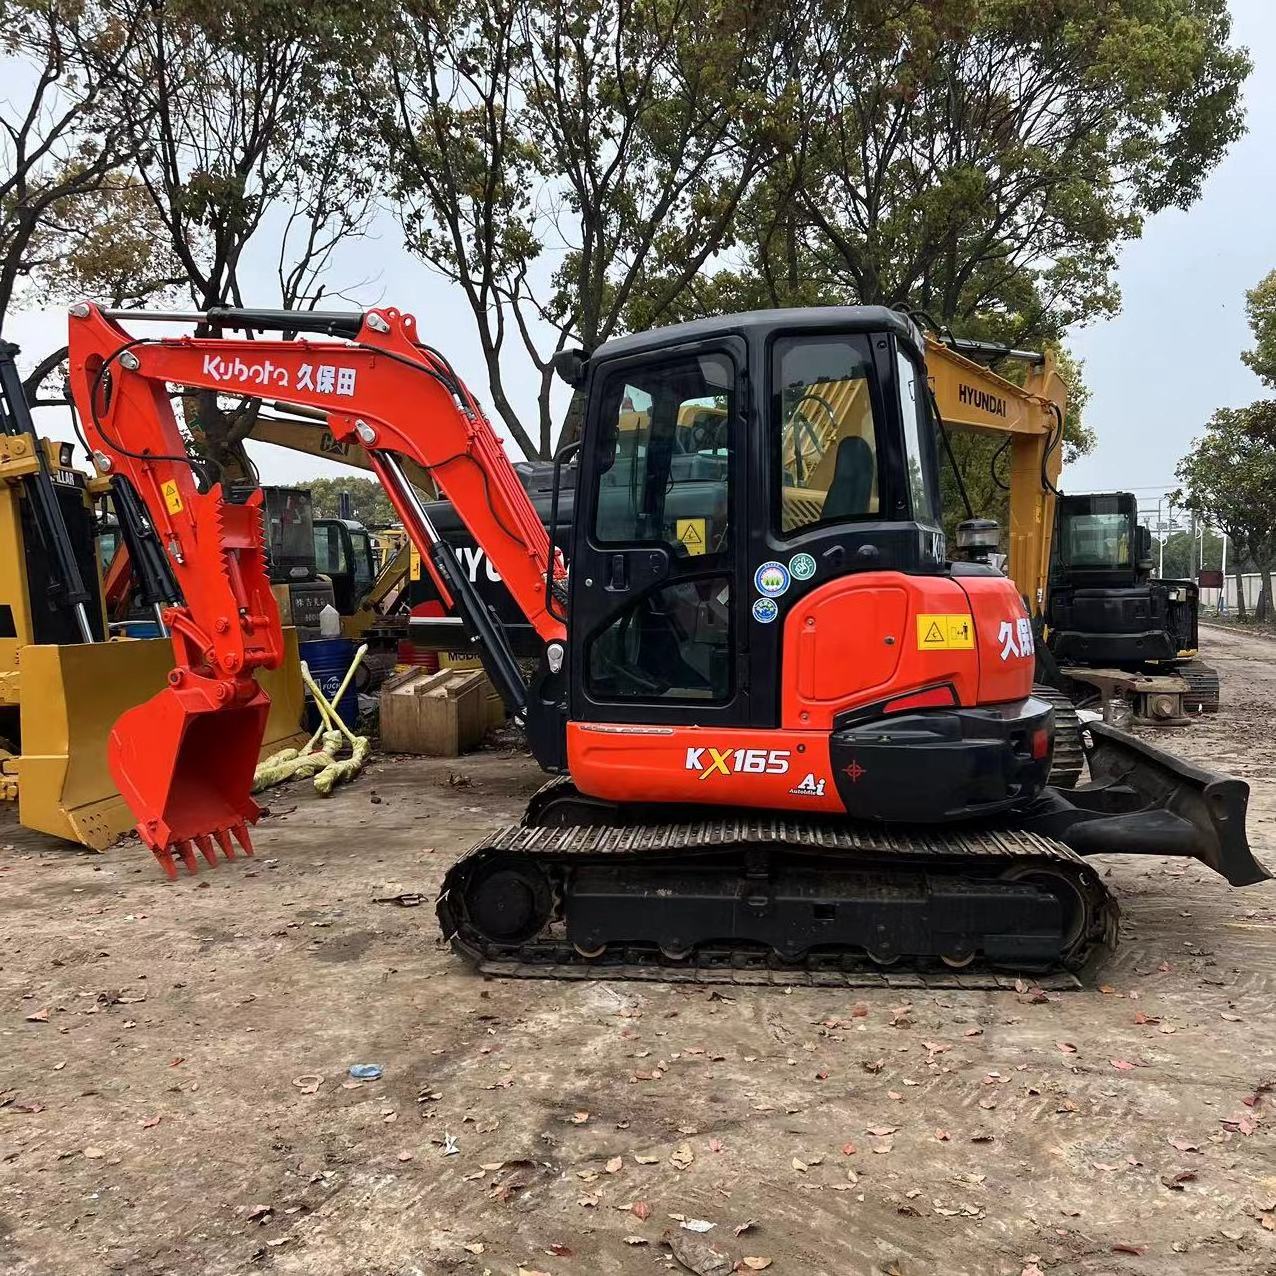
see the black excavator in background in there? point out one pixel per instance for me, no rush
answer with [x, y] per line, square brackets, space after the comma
[1110, 626]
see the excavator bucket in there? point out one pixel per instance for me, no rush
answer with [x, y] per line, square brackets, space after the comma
[72, 698]
[184, 762]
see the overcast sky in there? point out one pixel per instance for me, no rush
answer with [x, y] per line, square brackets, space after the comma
[1156, 371]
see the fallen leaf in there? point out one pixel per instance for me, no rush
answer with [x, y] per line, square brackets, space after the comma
[859, 1011]
[578, 1118]
[640, 1210]
[39, 1016]
[875, 1065]
[681, 1156]
[474, 1247]
[94, 1154]
[754, 1264]
[942, 1135]
[1184, 1145]
[589, 1200]
[973, 1032]
[1136, 1250]
[1175, 1181]
[882, 1146]
[614, 1164]
[697, 1254]
[748, 1225]
[646, 1160]
[697, 1225]
[881, 1131]
[848, 1149]
[636, 1240]
[528, 1271]
[895, 1095]
[405, 1156]
[559, 1250]
[1122, 1065]
[151, 1122]
[1066, 1046]
[1140, 1018]
[715, 1145]
[1223, 1015]
[1104, 1165]
[799, 1166]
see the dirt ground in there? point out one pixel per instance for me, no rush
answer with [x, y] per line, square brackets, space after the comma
[174, 1073]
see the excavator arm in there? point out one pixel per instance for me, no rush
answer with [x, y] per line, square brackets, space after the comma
[971, 397]
[184, 760]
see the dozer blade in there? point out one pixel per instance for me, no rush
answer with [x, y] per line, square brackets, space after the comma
[1144, 801]
[184, 762]
[73, 696]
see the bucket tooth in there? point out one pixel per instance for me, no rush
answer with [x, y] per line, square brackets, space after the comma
[205, 844]
[241, 836]
[223, 840]
[165, 857]
[186, 851]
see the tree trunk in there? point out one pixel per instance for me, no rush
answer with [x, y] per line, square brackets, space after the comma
[1240, 591]
[1263, 612]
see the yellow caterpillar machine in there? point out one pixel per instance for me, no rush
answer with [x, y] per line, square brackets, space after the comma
[63, 679]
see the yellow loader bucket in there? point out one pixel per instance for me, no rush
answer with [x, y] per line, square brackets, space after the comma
[71, 697]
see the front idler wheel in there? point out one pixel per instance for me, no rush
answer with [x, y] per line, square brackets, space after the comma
[1065, 889]
[509, 901]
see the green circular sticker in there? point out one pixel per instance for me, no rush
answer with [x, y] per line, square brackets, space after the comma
[802, 566]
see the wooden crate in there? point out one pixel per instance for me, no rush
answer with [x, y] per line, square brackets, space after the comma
[438, 714]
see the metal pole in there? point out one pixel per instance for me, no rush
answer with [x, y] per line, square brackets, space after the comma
[1163, 536]
[1222, 593]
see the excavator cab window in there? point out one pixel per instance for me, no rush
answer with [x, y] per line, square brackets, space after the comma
[827, 435]
[1096, 541]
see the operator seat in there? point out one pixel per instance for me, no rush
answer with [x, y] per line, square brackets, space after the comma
[851, 490]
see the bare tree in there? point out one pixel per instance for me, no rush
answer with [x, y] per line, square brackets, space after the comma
[243, 134]
[572, 164]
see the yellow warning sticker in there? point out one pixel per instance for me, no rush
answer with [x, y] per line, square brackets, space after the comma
[414, 563]
[945, 633]
[691, 532]
[172, 497]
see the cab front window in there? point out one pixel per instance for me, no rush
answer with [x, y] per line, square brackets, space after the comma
[824, 432]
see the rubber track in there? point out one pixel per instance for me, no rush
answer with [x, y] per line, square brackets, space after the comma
[549, 955]
[1069, 755]
[1202, 694]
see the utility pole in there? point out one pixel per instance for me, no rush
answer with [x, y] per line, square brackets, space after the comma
[1191, 547]
[1222, 593]
[1161, 535]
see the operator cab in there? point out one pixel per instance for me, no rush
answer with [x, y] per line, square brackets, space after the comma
[728, 467]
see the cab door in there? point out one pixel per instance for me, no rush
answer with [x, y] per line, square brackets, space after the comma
[658, 541]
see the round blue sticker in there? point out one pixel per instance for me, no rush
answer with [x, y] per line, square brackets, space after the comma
[771, 579]
[765, 610]
[802, 566]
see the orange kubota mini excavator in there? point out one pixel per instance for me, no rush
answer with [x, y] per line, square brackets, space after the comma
[789, 731]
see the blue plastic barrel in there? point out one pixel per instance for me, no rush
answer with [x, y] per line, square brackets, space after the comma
[328, 659]
[137, 629]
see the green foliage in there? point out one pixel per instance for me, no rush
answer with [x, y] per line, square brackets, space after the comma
[1229, 479]
[983, 159]
[1260, 307]
[370, 505]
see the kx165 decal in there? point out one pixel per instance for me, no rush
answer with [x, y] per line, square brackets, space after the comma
[709, 761]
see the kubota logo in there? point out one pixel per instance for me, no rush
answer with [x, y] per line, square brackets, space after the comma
[710, 761]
